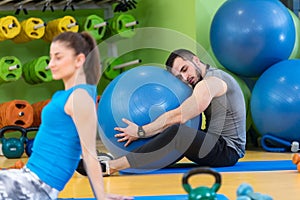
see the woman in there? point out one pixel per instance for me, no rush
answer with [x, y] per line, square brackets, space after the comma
[68, 129]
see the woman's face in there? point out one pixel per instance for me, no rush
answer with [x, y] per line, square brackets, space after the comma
[62, 61]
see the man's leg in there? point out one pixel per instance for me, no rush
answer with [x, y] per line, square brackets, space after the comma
[214, 152]
[162, 150]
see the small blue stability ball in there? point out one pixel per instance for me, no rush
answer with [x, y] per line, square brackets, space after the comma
[140, 94]
[248, 36]
[275, 101]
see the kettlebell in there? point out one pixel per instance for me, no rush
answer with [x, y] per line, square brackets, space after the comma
[29, 142]
[201, 193]
[13, 147]
[246, 192]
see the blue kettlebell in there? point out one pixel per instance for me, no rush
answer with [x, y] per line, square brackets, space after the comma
[202, 193]
[246, 192]
[13, 147]
[29, 142]
[28, 147]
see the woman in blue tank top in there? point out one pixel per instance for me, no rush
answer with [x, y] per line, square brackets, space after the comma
[69, 126]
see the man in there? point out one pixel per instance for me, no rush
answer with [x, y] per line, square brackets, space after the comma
[222, 143]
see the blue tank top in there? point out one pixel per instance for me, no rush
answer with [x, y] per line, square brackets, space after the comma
[56, 150]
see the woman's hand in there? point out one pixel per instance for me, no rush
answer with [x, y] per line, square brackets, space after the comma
[128, 134]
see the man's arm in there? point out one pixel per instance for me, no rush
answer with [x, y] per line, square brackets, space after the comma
[193, 106]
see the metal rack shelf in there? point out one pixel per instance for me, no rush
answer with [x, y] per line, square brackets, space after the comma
[52, 5]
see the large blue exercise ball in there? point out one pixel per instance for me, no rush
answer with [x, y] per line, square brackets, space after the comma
[275, 101]
[140, 94]
[248, 36]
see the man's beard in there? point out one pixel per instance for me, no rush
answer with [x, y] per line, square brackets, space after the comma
[198, 74]
[199, 79]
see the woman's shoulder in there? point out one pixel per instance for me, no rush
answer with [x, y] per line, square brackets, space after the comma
[85, 88]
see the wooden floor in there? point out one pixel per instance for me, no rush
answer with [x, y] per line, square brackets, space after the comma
[281, 185]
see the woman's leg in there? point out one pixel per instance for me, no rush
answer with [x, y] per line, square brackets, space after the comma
[20, 184]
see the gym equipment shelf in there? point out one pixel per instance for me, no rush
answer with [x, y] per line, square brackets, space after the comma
[43, 5]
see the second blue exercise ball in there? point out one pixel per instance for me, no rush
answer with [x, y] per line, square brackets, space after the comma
[275, 101]
[140, 94]
[248, 36]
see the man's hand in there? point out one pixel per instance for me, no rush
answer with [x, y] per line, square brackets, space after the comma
[128, 134]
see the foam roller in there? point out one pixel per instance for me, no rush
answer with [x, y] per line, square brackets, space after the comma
[10, 69]
[60, 25]
[95, 25]
[32, 29]
[10, 27]
[16, 113]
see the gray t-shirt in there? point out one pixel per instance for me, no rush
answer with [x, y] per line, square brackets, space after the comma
[226, 115]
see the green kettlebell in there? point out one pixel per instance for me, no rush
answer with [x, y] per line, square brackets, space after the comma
[13, 147]
[201, 193]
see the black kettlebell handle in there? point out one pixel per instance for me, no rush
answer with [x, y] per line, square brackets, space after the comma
[12, 128]
[33, 128]
[29, 129]
[201, 170]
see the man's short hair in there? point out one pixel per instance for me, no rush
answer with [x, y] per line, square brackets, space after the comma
[182, 53]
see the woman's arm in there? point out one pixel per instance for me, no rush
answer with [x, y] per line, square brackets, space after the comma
[82, 109]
